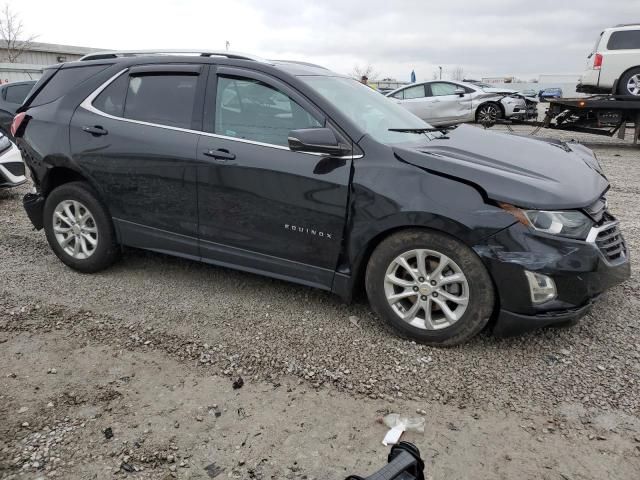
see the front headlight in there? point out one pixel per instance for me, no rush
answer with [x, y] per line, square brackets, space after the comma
[5, 144]
[569, 223]
[572, 224]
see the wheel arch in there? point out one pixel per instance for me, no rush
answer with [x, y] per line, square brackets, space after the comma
[494, 102]
[617, 84]
[356, 288]
[366, 246]
[60, 171]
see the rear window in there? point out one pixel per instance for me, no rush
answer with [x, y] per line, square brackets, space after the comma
[63, 81]
[162, 99]
[17, 93]
[111, 99]
[624, 40]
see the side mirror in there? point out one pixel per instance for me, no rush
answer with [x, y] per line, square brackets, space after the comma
[317, 140]
[459, 91]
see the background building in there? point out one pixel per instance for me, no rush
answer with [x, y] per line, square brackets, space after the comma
[39, 55]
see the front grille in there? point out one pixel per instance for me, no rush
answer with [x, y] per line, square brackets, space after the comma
[15, 168]
[612, 244]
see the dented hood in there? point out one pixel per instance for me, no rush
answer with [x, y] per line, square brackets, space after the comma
[523, 171]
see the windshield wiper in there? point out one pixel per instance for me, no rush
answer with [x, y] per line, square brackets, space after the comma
[421, 130]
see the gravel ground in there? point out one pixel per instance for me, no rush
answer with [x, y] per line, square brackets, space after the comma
[151, 347]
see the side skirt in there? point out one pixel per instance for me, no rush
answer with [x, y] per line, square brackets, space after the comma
[139, 236]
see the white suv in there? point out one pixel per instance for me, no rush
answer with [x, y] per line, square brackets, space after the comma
[615, 58]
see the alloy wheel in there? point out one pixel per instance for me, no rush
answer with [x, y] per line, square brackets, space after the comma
[426, 289]
[488, 114]
[633, 85]
[75, 229]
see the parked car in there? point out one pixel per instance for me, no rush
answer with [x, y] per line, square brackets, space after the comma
[548, 93]
[614, 64]
[11, 97]
[443, 103]
[295, 172]
[12, 171]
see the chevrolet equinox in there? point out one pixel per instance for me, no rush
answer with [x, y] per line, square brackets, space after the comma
[289, 170]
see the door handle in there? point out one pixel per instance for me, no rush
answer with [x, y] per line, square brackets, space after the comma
[96, 131]
[220, 154]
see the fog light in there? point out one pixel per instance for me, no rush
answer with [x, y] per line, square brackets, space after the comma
[542, 287]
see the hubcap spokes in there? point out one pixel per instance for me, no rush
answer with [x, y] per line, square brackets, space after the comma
[75, 229]
[633, 85]
[426, 289]
[488, 114]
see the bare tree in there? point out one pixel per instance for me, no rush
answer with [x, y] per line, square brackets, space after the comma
[457, 73]
[367, 71]
[434, 76]
[11, 29]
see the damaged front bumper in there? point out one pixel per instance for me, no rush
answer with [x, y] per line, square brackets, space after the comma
[581, 271]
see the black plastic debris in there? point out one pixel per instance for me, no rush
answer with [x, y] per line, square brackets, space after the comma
[108, 433]
[213, 470]
[238, 383]
[127, 467]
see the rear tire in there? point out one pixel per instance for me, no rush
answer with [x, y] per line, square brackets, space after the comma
[79, 228]
[629, 83]
[394, 292]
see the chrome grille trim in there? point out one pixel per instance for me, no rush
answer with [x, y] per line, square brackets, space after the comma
[609, 240]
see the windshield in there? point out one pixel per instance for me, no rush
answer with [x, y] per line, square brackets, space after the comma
[372, 112]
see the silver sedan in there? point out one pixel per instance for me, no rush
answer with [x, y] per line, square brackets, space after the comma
[440, 102]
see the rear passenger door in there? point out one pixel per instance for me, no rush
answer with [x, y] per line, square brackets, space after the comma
[415, 100]
[135, 138]
[262, 206]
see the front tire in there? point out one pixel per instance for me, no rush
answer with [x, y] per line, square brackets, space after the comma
[429, 287]
[488, 113]
[629, 83]
[79, 228]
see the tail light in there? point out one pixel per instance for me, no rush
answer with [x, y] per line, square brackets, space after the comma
[17, 121]
[597, 61]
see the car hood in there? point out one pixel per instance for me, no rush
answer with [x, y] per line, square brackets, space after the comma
[528, 172]
[498, 90]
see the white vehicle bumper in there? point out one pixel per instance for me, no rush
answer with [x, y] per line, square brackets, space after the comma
[12, 169]
[591, 78]
[514, 107]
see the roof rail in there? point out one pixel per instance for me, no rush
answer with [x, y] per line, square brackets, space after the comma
[637, 24]
[201, 53]
[297, 62]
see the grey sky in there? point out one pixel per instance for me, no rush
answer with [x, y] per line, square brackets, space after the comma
[485, 37]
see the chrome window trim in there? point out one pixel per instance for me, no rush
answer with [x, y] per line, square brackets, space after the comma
[87, 104]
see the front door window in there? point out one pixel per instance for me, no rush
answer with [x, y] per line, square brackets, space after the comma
[252, 110]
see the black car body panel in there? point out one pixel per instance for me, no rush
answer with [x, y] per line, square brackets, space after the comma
[580, 270]
[522, 171]
[309, 218]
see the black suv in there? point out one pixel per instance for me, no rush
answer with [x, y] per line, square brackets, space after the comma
[289, 170]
